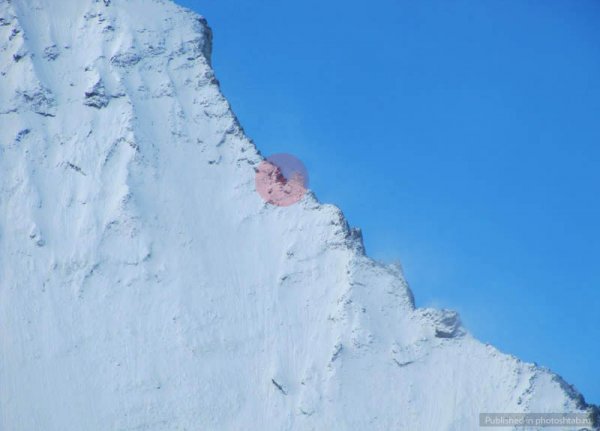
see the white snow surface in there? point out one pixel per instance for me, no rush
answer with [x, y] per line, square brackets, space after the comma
[145, 285]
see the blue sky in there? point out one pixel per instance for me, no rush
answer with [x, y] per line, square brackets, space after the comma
[462, 136]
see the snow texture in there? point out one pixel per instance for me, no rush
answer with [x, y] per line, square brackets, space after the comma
[145, 285]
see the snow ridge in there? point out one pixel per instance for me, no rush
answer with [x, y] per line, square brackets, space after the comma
[144, 285]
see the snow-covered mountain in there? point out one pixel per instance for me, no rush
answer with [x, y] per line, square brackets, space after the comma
[145, 285]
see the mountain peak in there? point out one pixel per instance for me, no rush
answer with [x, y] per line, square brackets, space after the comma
[145, 284]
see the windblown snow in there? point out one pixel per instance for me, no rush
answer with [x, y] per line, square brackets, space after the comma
[145, 285]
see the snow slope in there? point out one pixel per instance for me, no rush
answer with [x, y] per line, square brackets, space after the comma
[145, 285]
